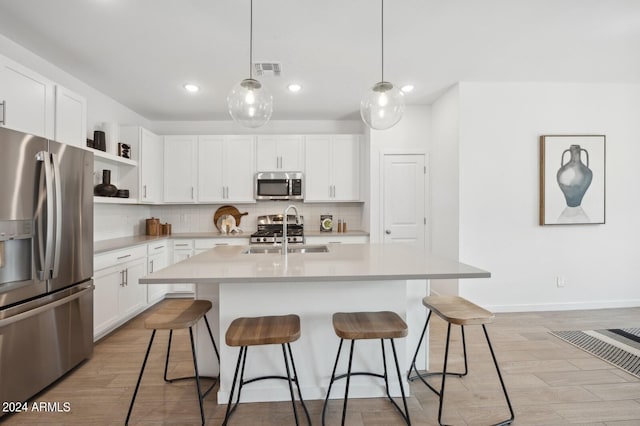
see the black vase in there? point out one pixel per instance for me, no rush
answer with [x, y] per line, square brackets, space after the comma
[105, 189]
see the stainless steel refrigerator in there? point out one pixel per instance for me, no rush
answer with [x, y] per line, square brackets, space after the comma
[46, 262]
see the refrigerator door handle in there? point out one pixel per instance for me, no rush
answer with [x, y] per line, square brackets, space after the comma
[58, 212]
[44, 273]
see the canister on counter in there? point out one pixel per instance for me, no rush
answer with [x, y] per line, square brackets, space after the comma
[153, 226]
[165, 228]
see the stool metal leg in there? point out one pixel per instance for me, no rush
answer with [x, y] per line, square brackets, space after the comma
[295, 378]
[166, 361]
[333, 377]
[444, 374]
[195, 366]
[464, 351]
[405, 415]
[233, 387]
[346, 390]
[144, 364]
[504, 389]
[293, 400]
[415, 355]
[215, 348]
[423, 376]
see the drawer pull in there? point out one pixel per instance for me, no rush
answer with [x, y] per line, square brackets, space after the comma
[123, 257]
[182, 245]
[158, 248]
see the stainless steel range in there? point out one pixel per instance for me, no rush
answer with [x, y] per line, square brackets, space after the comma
[270, 230]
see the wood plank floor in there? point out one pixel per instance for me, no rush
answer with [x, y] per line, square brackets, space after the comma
[550, 382]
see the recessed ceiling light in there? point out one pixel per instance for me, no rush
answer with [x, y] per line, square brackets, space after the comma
[294, 87]
[407, 88]
[191, 87]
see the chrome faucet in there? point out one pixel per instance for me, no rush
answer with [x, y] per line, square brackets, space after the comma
[285, 220]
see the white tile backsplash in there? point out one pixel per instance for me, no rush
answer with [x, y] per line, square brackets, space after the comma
[115, 220]
[118, 220]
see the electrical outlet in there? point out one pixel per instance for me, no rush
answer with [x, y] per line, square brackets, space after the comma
[560, 281]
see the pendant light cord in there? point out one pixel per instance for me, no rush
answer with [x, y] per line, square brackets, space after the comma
[382, 34]
[251, 42]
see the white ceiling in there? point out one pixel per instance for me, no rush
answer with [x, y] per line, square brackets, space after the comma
[141, 52]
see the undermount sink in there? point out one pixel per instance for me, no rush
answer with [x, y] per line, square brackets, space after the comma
[290, 249]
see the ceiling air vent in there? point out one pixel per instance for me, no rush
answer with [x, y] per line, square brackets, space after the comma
[267, 69]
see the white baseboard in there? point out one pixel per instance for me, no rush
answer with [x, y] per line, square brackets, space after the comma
[566, 306]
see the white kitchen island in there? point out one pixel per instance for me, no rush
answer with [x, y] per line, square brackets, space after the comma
[349, 277]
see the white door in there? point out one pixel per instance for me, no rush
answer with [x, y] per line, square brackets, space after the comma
[404, 196]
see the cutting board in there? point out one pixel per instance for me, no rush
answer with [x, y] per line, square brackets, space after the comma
[231, 210]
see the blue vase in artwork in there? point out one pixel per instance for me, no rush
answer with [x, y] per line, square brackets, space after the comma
[574, 177]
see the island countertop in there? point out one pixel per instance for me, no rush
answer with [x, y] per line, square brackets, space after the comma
[343, 262]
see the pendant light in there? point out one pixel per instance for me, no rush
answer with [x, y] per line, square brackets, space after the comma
[382, 106]
[249, 102]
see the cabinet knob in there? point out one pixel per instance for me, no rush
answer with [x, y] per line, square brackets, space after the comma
[388, 232]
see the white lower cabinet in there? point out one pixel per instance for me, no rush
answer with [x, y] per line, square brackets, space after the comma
[157, 259]
[118, 296]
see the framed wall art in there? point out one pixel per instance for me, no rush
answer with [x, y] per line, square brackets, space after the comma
[572, 179]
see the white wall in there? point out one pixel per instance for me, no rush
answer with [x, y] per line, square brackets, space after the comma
[410, 135]
[444, 190]
[500, 126]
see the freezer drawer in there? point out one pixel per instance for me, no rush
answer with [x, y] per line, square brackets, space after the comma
[43, 339]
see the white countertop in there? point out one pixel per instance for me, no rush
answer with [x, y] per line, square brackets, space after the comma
[343, 262]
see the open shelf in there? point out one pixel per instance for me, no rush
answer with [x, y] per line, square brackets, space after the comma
[114, 158]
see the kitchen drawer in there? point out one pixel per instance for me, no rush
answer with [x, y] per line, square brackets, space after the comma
[207, 243]
[157, 247]
[183, 244]
[117, 257]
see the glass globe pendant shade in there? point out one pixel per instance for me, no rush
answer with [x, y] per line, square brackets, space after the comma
[250, 103]
[382, 106]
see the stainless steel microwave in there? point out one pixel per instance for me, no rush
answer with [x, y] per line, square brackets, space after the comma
[279, 186]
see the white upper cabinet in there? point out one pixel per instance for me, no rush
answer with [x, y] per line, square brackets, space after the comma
[332, 168]
[26, 100]
[226, 165]
[148, 148]
[71, 117]
[180, 169]
[280, 153]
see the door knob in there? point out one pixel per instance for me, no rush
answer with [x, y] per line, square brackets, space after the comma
[388, 232]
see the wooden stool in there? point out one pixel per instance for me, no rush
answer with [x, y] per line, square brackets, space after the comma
[271, 330]
[456, 310]
[368, 325]
[177, 314]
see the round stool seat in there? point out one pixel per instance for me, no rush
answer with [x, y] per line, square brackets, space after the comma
[369, 325]
[457, 310]
[177, 314]
[266, 330]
